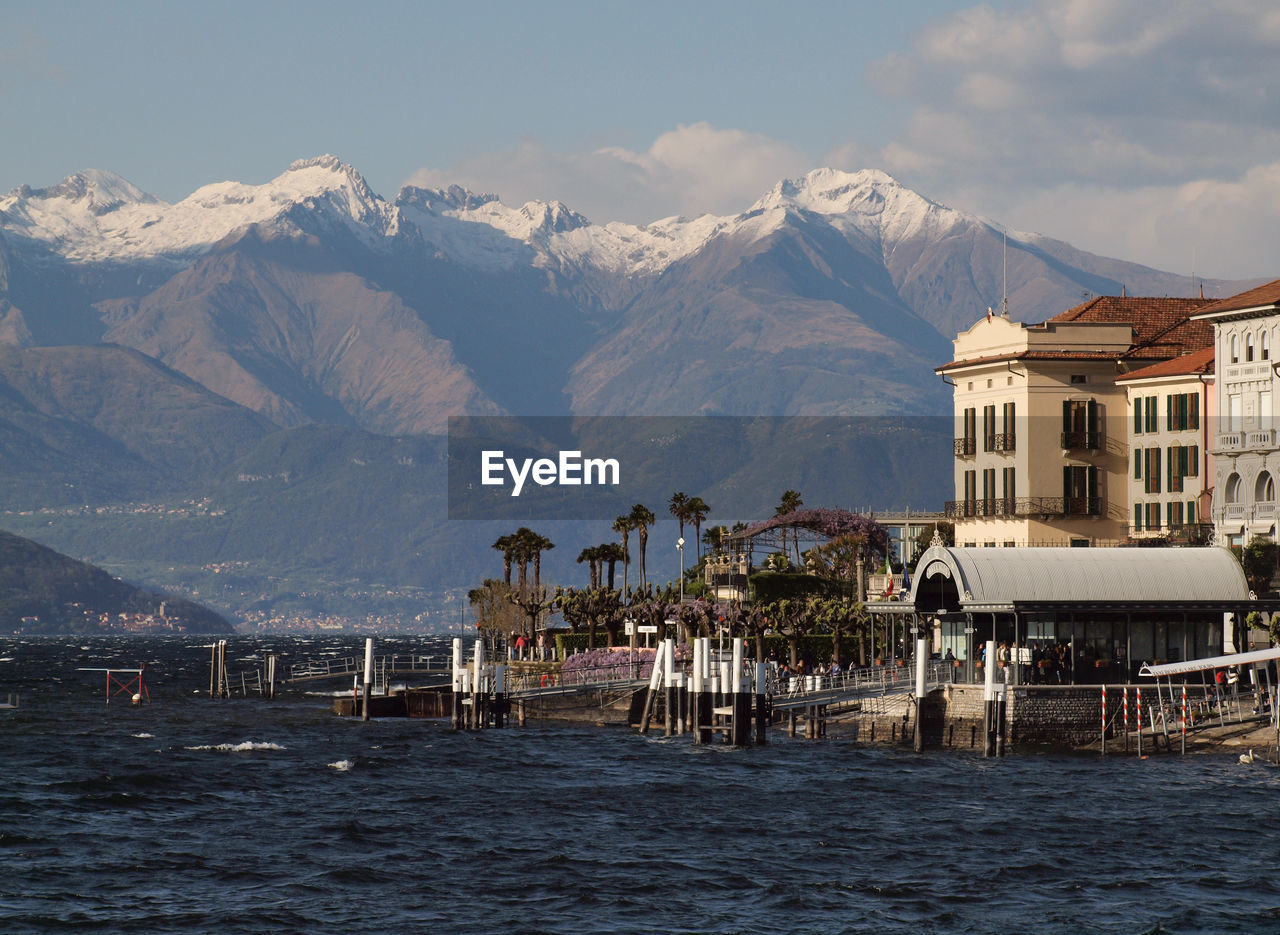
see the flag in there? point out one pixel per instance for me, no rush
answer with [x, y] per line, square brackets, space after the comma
[888, 577]
[906, 580]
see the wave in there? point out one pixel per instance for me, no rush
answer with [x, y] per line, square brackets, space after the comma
[243, 747]
[342, 765]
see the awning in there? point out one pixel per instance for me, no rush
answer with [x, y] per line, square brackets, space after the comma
[1211, 662]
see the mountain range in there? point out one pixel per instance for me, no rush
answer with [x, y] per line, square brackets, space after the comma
[155, 353]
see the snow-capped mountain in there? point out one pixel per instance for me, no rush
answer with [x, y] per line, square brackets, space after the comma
[312, 298]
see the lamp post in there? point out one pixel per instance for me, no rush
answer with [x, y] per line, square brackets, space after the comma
[680, 548]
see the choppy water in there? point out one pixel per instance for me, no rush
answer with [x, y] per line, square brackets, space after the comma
[200, 815]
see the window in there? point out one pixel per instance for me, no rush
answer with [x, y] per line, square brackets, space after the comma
[1137, 464]
[1079, 378]
[1080, 424]
[970, 491]
[1235, 413]
[1264, 489]
[1234, 356]
[1080, 490]
[1137, 517]
[1173, 514]
[1153, 418]
[1008, 492]
[1264, 345]
[1176, 467]
[1010, 419]
[967, 443]
[1137, 416]
[1151, 469]
[1153, 515]
[1191, 512]
[1232, 492]
[1248, 346]
[988, 428]
[1182, 411]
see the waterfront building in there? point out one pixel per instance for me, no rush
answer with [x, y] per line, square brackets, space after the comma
[1243, 433]
[1041, 438]
[1096, 614]
[1171, 478]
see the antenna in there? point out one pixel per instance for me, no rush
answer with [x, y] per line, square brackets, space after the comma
[1004, 303]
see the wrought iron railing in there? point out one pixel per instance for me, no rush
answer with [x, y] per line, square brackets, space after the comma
[1091, 441]
[1023, 506]
[966, 447]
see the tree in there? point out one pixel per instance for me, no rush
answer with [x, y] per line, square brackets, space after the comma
[494, 611]
[1259, 562]
[507, 546]
[678, 507]
[623, 526]
[611, 553]
[789, 503]
[591, 555]
[641, 519]
[696, 510]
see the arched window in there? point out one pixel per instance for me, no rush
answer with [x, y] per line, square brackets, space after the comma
[1265, 346]
[1233, 489]
[1264, 490]
[1248, 346]
[1235, 349]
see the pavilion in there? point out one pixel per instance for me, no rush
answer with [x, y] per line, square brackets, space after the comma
[1113, 609]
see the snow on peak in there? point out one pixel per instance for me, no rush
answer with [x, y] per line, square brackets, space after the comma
[95, 190]
[869, 200]
[97, 215]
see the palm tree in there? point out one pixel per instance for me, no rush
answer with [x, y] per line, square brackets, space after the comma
[641, 519]
[507, 546]
[612, 553]
[591, 555]
[623, 525]
[538, 544]
[678, 507]
[696, 510]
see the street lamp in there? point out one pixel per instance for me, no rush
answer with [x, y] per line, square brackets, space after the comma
[680, 547]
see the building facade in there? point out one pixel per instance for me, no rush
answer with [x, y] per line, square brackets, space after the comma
[1245, 443]
[1170, 445]
[1041, 440]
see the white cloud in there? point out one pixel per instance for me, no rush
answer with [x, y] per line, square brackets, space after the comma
[691, 170]
[1135, 129]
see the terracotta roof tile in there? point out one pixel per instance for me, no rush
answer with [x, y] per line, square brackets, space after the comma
[1201, 361]
[1261, 296]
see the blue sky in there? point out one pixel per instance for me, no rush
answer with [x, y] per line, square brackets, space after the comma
[1144, 130]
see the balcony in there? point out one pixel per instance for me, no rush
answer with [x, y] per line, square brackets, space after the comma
[1261, 438]
[1001, 442]
[1023, 507]
[966, 447]
[1075, 441]
[1230, 441]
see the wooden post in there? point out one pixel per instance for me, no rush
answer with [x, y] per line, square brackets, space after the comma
[669, 677]
[696, 691]
[989, 701]
[368, 676]
[741, 726]
[477, 685]
[922, 663]
[762, 701]
[457, 683]
[499, 695]
[655, 680]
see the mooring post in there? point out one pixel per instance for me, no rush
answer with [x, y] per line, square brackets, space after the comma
[477, 685]
[762, 702]
[1124, 707]
[1137, 699]
[368, 677]
[989, 700]
[655, 680]
[741, 727]
[695, 691]
[922, 664]
[499, 695]
[457, 683]
[1104, 720]
[669, 675]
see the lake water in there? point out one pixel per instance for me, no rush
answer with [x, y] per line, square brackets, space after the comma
[244, 815]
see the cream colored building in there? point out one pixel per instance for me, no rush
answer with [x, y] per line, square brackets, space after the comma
[1041, 441]
[1245, 442]
[1171, 467]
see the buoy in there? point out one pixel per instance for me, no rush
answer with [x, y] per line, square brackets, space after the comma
[137, 698]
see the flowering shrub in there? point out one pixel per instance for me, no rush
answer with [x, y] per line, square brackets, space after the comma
[597, 665]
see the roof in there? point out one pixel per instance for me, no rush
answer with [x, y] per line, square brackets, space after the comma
[1200, 362]
[1084, 576]
[1264, 296]
[1161, 326]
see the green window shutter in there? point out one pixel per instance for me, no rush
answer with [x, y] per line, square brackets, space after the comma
[1066, 489]
[1168, 413]
[1193, 461]
[1137, 416]
[1155, 470]
[1193, 411]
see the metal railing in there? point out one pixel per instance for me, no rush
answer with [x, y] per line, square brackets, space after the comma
[1090, 441]
[1023, 506]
